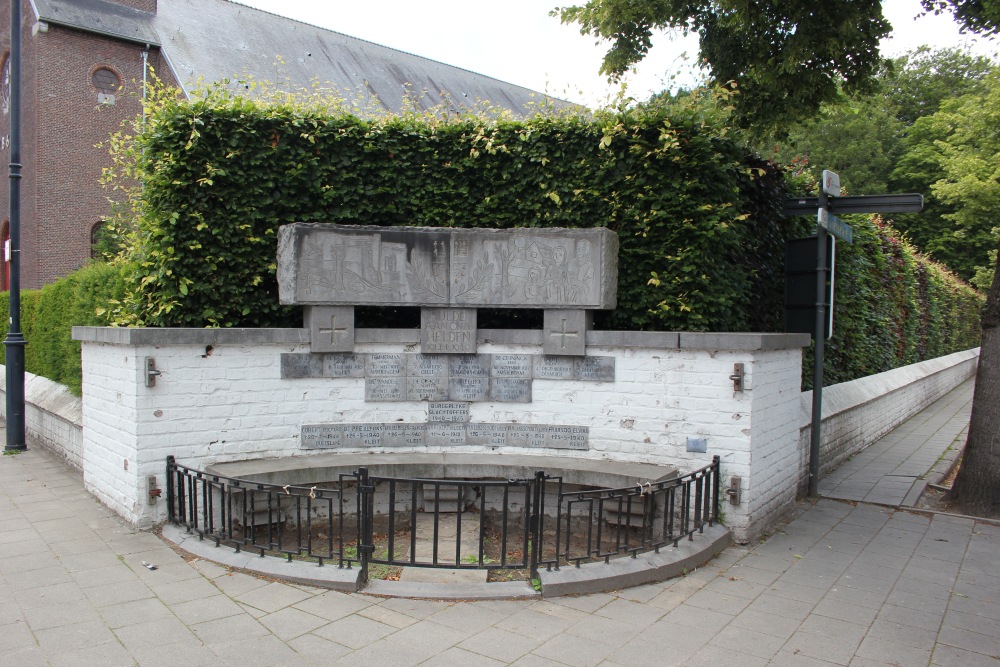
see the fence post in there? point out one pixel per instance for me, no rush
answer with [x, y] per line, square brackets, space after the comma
[170, 489]
[535, 518]
[716, 474]
[366, 511]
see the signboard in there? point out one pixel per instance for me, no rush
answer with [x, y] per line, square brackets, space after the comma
[908, 203]
[835, 225]
[831, 183]
[800, 285]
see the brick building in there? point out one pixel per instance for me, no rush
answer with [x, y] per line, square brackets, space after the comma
[84, 63]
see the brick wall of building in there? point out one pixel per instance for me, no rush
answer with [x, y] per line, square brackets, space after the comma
[63, 124]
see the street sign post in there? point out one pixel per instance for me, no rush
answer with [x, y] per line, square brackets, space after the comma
[827, 206]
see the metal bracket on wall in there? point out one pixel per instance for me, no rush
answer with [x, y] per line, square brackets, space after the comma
[738, 377]
[151, 373]
[152, 489]
[735, 491]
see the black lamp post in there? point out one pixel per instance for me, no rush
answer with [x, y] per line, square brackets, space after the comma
[14, 342]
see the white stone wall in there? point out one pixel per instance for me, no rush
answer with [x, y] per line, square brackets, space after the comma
[222, 402]
[52, 417]
[857, 413]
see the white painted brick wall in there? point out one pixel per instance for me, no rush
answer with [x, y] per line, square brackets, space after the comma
[52, 417]
[857, 413]
[232, 404]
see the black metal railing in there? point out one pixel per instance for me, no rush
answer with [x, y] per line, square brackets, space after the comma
[362, 520]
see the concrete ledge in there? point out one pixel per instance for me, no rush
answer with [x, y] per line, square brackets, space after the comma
[643, 569]
[637, 339]
[306, 470]
[53, 416]
[845, 396]
[500, 590]
[301, 572]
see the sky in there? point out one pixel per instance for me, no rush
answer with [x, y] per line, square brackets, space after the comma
[518, 42]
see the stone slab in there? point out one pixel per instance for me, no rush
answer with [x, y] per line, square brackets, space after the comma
[326, 264]
[448, 330]
[566, 331]
[443, 434]
[331, 328]
[448, 411]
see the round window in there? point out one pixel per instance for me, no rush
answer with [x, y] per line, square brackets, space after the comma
[106, 81]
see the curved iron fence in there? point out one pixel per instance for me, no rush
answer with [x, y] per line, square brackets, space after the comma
[370, 521]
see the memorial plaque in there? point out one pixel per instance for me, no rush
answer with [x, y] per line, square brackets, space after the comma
[331, 328]
[595, 369]
[347, 265]
[450, 411]
[548, 367]
[470, 365]
[321, 436]
[565, 332]
[511, 366]
[343, 365]
[448, 330]
[304, 365]
[385, 389]
[385, 365]
[487, 435]
[568, 437]
[362, 435]
[427, 389]
[468, 389]
[442, 434]
[427, 365]
[505, 390]
[403, 435]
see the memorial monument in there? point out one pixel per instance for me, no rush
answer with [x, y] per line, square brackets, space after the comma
[448, 273]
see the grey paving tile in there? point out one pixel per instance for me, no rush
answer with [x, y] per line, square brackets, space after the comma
[205, 609]
[578, 651]
[458, 657]
[333, 605]
[499, 644]
[354, 631]
[880, 648]
[746, 641]
[75, 636]
[137, 611]
[949, 656]
[265, 651]
[316, 650]
[154, 634]
[987, 644]
[838, 651]
[108, 654]
[178, 653]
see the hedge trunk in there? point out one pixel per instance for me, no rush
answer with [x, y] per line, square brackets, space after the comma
[977, 486]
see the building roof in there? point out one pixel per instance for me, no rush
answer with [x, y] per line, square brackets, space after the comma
[99, 16]
[217, 40]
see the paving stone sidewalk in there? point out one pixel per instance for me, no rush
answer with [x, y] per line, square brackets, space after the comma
[841, 584]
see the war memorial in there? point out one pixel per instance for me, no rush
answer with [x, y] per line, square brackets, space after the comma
[588, 459]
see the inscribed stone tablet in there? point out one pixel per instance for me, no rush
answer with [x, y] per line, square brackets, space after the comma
[470, 365]
[403, 435]
[468, 389]
[448, 330]
[385, 389]
[343, 365]
[426, 389]
[441, 434]
[548, 367]
[385, 365]
[595, 369]
[320, 436]
[568, 437]
[450, 411]
[506, 390]
[427, 365]
[303, 365]
[486, 435]
[362, 435]
[511, 366]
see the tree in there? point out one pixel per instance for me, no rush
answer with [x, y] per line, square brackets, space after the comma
[977, 485]
[786, 57]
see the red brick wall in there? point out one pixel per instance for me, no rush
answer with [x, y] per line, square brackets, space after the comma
[62, 123]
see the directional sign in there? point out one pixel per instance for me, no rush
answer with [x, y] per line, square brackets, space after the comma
[835, 225]
[831, 183]
[908, 203]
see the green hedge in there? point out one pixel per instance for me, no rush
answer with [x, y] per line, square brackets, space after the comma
[49, 314]
[698, 218]
[699, 224]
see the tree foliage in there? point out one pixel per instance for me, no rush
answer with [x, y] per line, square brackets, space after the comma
[787, 57]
